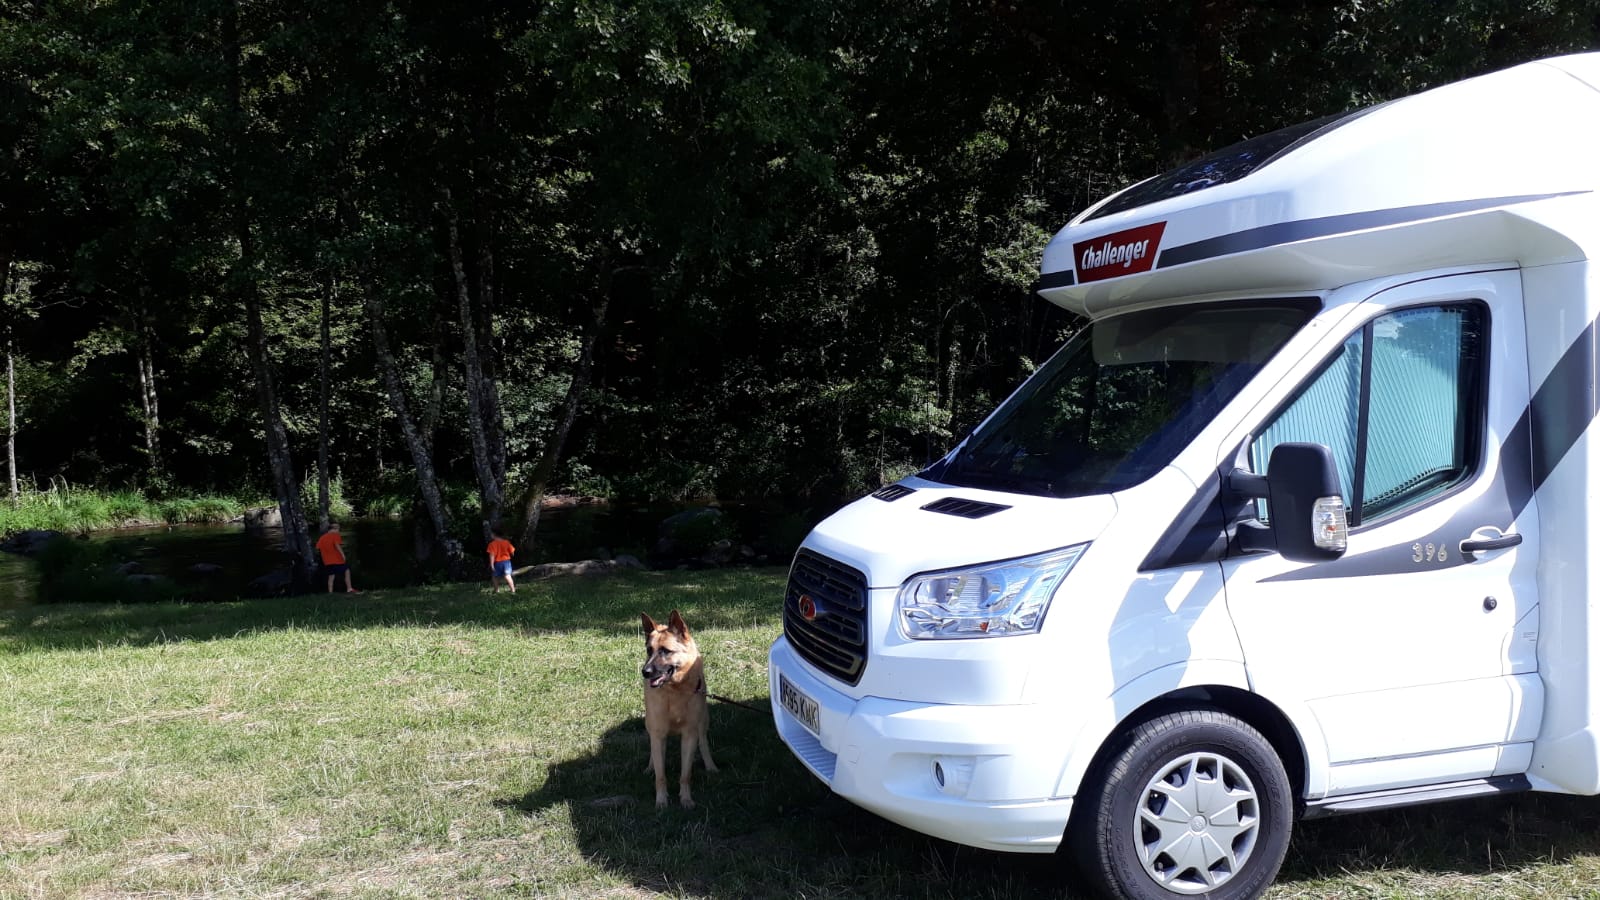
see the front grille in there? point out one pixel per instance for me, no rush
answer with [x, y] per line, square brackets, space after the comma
[835, 641]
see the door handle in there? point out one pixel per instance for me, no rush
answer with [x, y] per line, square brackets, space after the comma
[1495, 543]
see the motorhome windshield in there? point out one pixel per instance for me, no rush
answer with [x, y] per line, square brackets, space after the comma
[1122, 397]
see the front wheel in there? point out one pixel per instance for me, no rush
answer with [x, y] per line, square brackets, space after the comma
[1190, 804]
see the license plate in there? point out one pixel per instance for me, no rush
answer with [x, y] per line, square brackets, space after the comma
[799, 705]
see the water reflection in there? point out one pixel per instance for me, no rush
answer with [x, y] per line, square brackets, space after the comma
[16, 580]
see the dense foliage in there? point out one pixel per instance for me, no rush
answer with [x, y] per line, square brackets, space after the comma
[740, 247]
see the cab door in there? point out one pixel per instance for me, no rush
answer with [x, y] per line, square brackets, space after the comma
[1415, 651]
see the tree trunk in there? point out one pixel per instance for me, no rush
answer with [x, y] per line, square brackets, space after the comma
[434, 407]
[11, 418]
[424, 535]
[493, 421]
[148, 399]
[421, 454]
[477, 406]
[11, 376]
[487, 171]
[533, 500]
[296, 536]
[297, 539]
[323, 517]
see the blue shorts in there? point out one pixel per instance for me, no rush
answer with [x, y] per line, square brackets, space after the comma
[502, 569]
[332, 569]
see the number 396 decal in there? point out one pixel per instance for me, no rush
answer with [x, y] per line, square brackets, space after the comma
[1428, 552]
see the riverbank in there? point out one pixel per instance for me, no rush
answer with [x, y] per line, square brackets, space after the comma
[212, 562]
[86, 511]
[446, 741]
[82, 511]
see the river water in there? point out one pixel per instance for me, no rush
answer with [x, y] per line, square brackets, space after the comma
[380, 549]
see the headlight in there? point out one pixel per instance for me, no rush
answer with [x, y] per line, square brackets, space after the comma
[991, 600]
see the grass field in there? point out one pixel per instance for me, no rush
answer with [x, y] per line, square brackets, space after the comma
[448, 742]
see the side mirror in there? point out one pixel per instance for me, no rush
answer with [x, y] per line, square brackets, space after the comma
[1301, 488]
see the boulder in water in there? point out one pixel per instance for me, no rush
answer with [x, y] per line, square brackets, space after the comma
[29, 542]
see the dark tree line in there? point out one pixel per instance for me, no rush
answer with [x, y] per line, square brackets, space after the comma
[663, 248]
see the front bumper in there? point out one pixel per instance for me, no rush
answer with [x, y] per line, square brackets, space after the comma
[1000, 764]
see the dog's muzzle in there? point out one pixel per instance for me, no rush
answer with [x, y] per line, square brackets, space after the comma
[655, 676]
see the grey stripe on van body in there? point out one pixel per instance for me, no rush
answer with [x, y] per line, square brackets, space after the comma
[1561, 410]
[1562, 407]
[1063, 278]
[1264, 236]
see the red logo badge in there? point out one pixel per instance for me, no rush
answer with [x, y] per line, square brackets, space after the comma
[1123, 253]
[808, 608]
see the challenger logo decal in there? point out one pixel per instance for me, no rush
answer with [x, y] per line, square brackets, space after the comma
[808, 608]
[1122, 253]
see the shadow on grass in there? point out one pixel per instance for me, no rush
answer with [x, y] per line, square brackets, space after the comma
[765, 826]
[1469, 838]
[762, 826]
[611, 602]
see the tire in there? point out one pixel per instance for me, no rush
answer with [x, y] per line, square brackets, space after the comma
[1189, 804]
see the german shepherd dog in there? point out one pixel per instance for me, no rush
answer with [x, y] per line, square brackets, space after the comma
[674, 701]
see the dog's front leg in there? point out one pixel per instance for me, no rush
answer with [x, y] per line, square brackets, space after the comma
[686, 747]
[658, 764]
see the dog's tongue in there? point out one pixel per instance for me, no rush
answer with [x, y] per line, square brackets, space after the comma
[659, 680]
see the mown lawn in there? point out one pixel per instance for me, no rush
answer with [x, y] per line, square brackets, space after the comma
[448, 742]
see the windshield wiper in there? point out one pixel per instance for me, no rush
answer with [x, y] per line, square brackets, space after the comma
[992, 478]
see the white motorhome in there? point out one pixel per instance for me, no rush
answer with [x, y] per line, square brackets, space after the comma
[1299, 523]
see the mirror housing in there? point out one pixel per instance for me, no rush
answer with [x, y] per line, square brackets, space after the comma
[1301, 488]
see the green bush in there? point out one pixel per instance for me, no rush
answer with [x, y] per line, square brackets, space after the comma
[390, 494]
[338, 506]
[666, 479]
[694, 534]
[65, 508]
[174, 512]
[216, 509]
[206, 509]
[125, 505]
[585, 482]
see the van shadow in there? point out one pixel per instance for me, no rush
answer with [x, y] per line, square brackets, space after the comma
[763, 826]
[1490, 838]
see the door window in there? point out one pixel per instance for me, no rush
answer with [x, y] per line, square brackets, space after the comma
[1400, 405]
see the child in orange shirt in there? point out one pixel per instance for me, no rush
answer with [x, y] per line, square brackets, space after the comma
[330, 546]
[500, 551]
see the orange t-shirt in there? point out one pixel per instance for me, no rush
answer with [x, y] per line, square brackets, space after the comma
[328, 546]
[500, 550]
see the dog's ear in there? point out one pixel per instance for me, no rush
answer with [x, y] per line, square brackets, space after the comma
[677, 626]
[648, 625]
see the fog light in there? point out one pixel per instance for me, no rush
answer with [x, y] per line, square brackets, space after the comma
[953, 775]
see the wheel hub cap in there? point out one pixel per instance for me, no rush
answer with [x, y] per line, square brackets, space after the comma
[1197, 823]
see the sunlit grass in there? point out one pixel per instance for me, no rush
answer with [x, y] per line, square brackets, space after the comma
[62, 507]
[449, 742]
